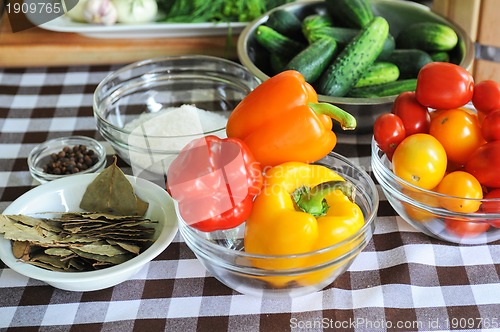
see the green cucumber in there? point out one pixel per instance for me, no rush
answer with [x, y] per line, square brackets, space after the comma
[355, 58]
[275, 42]
[277, 62]
[441, 56]
[379, 73]
[384, 90]
[345, 35]
[314, 22]
[409, 61]
[427, 36]
[340, 34]
[312, 61]
[389, 47]
[284, 22]
[352, 13]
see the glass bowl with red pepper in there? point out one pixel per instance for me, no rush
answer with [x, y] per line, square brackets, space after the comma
[149, 110]
[302, 230]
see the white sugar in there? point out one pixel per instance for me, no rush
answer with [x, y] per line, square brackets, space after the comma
[156, 138]
[178, 121]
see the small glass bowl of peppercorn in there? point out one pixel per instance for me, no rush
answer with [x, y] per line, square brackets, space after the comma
[65, 156]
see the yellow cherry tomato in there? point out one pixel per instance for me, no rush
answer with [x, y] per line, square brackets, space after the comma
[420, 159]
[465, 188]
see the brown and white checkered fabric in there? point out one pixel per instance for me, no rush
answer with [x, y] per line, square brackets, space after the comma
[403, 280]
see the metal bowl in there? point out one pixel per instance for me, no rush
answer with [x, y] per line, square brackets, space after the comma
[398, 13]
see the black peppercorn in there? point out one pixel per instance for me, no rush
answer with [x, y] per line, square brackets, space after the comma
[70, 160]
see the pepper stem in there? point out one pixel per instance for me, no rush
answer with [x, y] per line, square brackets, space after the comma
[312, 200]
[346, 120]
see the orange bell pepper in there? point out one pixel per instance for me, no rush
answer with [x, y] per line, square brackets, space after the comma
[282, 120]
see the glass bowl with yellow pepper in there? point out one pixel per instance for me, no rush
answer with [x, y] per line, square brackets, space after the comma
[306, 226]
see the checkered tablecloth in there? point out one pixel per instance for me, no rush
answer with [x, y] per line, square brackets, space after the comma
[403, 280]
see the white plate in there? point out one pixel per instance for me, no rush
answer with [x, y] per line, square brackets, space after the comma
[149, 30]
[64, 195]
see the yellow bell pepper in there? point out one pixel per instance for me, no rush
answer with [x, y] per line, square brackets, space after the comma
[301, 208]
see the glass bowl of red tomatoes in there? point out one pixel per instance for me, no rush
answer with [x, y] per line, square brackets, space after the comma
[436, 156]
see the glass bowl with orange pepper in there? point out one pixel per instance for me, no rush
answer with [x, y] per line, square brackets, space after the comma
[307, 224]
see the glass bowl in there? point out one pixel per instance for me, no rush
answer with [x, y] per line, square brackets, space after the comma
[223, 252]
[421, 208]
[150, 109]
[40, 156]
[398, 13]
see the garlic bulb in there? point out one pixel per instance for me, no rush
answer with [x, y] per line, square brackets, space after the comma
[136, 11]
[100, 12]
[75, 13]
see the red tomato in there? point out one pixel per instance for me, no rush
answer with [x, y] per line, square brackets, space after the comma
[464, 228]
[492, 206]
[444, 85]
[484, 164]
[459, 133]
[486, 96]
[490, 128]
[388, 132]
[415, 116]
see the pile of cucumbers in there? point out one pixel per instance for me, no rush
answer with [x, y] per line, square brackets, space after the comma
[349, 52]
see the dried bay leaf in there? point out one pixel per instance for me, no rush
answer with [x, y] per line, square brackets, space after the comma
[102, 249]
[47, 266]
[117, 259]
[107, 217]
[34, 222]
[142, 207]
[78, 264]
[61, 252]
[18, 232]
[49, 260]
[21, 249]
[77, 239]
[133, 248]
[111, 192]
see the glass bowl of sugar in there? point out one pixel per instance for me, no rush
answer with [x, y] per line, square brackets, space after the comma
[149, 110]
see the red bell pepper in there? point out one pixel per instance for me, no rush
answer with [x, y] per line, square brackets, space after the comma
[214, 181]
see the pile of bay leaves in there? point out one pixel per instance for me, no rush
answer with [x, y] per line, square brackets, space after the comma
[110, 229]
